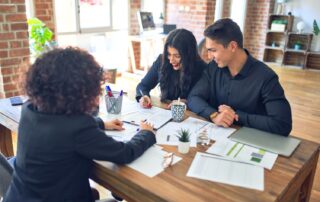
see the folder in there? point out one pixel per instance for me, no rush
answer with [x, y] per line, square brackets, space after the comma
[271, 142]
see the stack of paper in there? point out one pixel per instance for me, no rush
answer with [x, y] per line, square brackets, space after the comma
[217, 169]
[244, 153]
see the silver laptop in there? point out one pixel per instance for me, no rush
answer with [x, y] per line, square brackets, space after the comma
[264, 140]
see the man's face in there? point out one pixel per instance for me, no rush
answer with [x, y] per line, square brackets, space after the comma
[217, 52]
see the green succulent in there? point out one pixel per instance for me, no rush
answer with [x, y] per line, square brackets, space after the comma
[183, 135]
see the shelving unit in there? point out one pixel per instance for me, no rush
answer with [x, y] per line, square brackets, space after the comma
[313, 60]
[276, 40]
[281, 46]
[297, 57]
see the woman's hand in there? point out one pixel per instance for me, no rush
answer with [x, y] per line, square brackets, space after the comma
[113, 125]
[145, 101]
[146, 126]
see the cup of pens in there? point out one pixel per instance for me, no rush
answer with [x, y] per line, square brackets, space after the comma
[113, 101]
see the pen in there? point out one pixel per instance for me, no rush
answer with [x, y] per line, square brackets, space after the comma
[121, 93]
[168, 138]
[142, 94]
[109, 91]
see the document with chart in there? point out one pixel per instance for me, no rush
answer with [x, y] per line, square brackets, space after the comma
[219, 169]
[244, 153]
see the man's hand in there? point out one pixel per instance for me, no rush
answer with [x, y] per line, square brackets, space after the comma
[113, 125]
[145, 102]
[226, 116]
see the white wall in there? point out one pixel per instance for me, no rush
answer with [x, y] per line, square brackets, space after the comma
[306, 11]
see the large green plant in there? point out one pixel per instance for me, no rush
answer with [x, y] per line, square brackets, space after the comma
[316, 29]
[40, 36]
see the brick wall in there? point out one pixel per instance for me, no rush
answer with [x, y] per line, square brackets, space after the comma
[200, 15]
[44, 11]
[226, 8]
[256, 26]
[14, 46]
[135, 6]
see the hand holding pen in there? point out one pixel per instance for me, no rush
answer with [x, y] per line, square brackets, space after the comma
[145, 101]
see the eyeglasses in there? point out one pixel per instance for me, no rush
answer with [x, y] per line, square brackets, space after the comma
[167, 160]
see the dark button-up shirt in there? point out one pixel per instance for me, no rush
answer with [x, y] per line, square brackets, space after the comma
[254, 93]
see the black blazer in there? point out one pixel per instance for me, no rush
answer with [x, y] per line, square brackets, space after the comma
[152, 78]
[55, 153]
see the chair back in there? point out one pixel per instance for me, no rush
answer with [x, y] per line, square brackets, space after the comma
[5, 175]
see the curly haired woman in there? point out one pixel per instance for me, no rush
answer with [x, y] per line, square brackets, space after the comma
[177, 69]
[59, 137]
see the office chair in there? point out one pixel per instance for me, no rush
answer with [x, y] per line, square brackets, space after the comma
[5, 175]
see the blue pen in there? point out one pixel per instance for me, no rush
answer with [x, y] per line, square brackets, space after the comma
[121, 92]
[109, 91]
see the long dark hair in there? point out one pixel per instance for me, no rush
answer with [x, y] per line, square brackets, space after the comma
[186, 44]
[64, 81]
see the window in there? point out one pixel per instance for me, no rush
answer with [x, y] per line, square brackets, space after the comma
[77, 16]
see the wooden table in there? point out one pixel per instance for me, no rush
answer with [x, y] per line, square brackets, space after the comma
[290, 179]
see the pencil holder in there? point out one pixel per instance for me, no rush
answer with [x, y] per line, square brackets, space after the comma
[113, 102]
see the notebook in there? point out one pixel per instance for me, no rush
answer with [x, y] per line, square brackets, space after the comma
[265, 140]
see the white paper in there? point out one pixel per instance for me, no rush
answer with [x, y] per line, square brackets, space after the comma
[123, 135]
[243, 153]
[156, 116]
[216, 132]
[218, 169]
[167, 134]
[150, 163]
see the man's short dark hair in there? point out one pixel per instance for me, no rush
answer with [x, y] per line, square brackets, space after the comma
[224, 31]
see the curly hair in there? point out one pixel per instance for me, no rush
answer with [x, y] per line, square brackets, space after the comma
[64, 81]
[186, 44]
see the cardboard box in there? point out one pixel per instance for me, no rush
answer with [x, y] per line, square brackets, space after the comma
[278, 27]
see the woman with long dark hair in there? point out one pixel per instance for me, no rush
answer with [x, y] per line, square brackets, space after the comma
[177, 69]
[58, 136]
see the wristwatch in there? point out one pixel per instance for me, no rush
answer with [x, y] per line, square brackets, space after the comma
[214, 115]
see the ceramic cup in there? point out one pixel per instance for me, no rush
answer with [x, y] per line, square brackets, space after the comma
[177, 110]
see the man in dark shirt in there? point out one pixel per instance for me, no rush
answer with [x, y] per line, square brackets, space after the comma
[237, 88]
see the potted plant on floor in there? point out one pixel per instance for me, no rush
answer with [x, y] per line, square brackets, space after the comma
[40, 37]
[184, 141]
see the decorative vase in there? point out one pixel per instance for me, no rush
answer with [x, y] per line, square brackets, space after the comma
[183, 147]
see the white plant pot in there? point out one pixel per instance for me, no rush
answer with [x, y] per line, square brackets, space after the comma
[183, 147]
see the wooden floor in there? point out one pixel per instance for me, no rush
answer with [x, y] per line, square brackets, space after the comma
[302, 89]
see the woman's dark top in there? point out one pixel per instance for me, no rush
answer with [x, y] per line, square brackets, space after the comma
[55, 152]
[152, 78]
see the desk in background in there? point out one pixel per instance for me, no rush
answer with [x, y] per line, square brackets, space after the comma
[290, 179]
[153, 51]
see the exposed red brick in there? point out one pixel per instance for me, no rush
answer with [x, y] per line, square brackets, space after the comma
[16, 17]
[18, 1]
[3, 54]
[19, 26]
[22, 8]
[22, 35]
[6, 70]
[10, 62]
[15, 44]
[4, 45]
[4, 1]
[10, 87]
[7, 8]
[19, 52]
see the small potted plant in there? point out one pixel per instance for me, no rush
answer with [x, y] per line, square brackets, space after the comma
[298, 45]
[184, 141]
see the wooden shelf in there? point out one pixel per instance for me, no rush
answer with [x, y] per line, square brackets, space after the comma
[274, 48]
[313, 60]
[295, 50]
[294, 59]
